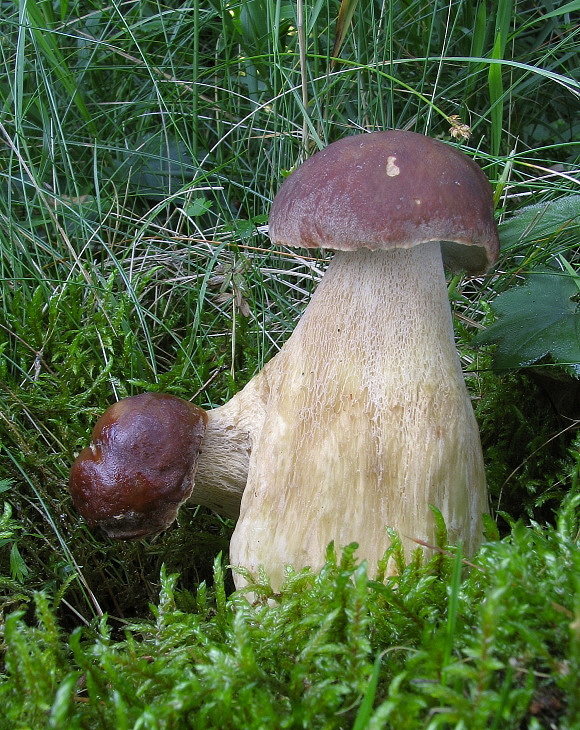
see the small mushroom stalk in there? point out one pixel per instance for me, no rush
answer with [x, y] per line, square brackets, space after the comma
[224, 457]
[369, 421]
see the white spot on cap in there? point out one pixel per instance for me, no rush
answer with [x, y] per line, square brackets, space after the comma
[392, 169]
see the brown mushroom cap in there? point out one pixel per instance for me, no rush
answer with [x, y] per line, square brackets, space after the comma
[139, 467]
[391, 189]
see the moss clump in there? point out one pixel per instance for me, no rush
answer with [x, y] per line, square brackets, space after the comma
[443, 645]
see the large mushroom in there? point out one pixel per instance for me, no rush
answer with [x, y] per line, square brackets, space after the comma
[368, 421]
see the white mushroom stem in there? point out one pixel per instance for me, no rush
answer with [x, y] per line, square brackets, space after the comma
[223, 460]
[368, 422]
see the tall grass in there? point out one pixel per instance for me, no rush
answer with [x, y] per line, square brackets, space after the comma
[140, 146]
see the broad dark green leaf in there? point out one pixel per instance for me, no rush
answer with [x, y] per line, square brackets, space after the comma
[537, 320]
[541, 221]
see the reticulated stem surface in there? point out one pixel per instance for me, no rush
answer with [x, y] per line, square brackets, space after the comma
[368, 421]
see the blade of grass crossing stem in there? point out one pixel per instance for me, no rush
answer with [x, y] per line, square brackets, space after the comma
[503, 19]
[312, 15]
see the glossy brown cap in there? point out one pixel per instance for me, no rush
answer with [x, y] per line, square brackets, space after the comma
[386, 190]
[139, 467]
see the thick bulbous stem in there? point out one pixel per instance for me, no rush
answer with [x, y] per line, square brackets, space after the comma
[368, 422]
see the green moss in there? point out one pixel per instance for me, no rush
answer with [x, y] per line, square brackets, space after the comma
[446, 645]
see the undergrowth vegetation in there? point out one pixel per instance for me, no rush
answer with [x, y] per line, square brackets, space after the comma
[141, 144]
[332, 650]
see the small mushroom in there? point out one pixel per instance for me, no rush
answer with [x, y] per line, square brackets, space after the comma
[368, 421]
[140, 464]
[145, 451]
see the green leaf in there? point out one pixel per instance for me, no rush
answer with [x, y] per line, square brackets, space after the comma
[540, 319]
[5, 485]
[18, 568]
[197, 207]
[542, 221]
